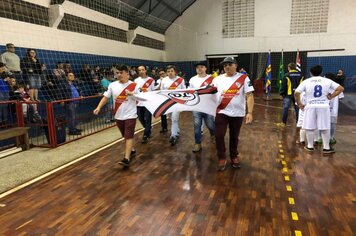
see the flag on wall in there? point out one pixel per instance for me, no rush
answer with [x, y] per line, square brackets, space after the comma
[297, 62]
[280, 73]
[168, 101]
[268, 75]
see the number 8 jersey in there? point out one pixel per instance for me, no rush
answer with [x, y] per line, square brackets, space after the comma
[316, 90]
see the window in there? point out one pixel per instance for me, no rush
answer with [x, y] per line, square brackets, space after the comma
[238, 18]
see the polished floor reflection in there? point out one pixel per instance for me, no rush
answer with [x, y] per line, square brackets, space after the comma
[280, 189]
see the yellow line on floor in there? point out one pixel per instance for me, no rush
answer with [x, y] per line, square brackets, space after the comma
[17, 188]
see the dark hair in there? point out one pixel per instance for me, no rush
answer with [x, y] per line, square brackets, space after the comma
[171, 67]
[21, 85]
[142, 66]
[29, 50]
[2, 64]
[316, 70]
[9, 45]
[292, 66]
[122, 68]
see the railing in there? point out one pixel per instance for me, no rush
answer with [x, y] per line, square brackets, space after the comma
[49, 122]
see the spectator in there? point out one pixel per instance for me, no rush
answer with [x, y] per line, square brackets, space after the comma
[29, 109]
[12, 61]
[67, 68]
[71, 91]
[105, 82]
[31, 67]
[59, 72]
[4, 93]
[340, 78]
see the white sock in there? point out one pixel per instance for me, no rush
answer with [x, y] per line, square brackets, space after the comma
[310, 138]
[325, 135]
[302, 133]
[316, 135]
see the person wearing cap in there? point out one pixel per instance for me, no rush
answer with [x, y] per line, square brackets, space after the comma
[234, 89]
[201, 80]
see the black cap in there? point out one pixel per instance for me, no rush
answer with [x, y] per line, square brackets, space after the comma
[200, 63]
[228, 60]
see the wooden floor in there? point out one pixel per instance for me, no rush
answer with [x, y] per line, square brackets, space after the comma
[280, 189]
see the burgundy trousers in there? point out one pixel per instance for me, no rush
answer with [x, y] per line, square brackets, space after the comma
[221, 123]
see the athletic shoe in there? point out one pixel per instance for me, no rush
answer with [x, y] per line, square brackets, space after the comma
[197, 148]
[235, 163]
[300, 142]
[309, 149]
[281, 125]
[222, 165]
[328, 151]
[144, 139]
[163, 131]
[212, 138]
[125, 162]
[173, 140]
[332, 141]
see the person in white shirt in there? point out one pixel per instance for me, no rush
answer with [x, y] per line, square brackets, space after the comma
[317, 109]
[11, 59]
[144, 84]
[162, 75]
[173, 82]
[125, 108]
[234, 89]
[201, 80]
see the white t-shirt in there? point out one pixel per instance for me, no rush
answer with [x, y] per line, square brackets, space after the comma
[167, 82]
[316, 90]
[127, 109]
[237, 105]
[141, 82]
[197, 81]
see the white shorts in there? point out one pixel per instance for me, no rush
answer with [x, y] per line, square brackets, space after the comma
[300, 118]
[316, 118]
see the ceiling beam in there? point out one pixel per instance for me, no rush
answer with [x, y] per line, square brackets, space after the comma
[169, 7]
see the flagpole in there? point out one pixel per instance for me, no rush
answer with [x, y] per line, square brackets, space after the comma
[268, 90]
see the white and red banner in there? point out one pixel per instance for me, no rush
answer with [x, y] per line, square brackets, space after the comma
[166, 101]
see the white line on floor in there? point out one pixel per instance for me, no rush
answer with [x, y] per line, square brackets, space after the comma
[17, 188]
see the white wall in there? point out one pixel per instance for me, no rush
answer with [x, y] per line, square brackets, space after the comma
[41, 37]
[35, 36]
[198, 31]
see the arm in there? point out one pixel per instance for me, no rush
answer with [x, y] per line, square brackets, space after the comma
[337, 91]
[102, 102]
[250, 104]
[282, 92]
[297, 99]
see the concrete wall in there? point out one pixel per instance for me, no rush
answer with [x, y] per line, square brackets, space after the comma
[198, 31]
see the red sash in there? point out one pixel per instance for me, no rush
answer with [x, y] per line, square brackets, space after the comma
[231, 92]
[207, 81]
[175, 84]
[148, 83]
[121, 98]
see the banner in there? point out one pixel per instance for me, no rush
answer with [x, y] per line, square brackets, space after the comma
[167, 101]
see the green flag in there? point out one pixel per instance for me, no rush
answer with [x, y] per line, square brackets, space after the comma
[280, 73]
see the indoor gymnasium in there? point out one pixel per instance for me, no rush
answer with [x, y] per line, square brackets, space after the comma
[178, 117]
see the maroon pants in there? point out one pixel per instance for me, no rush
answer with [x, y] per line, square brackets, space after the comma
[221, 123]
[127, 127]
